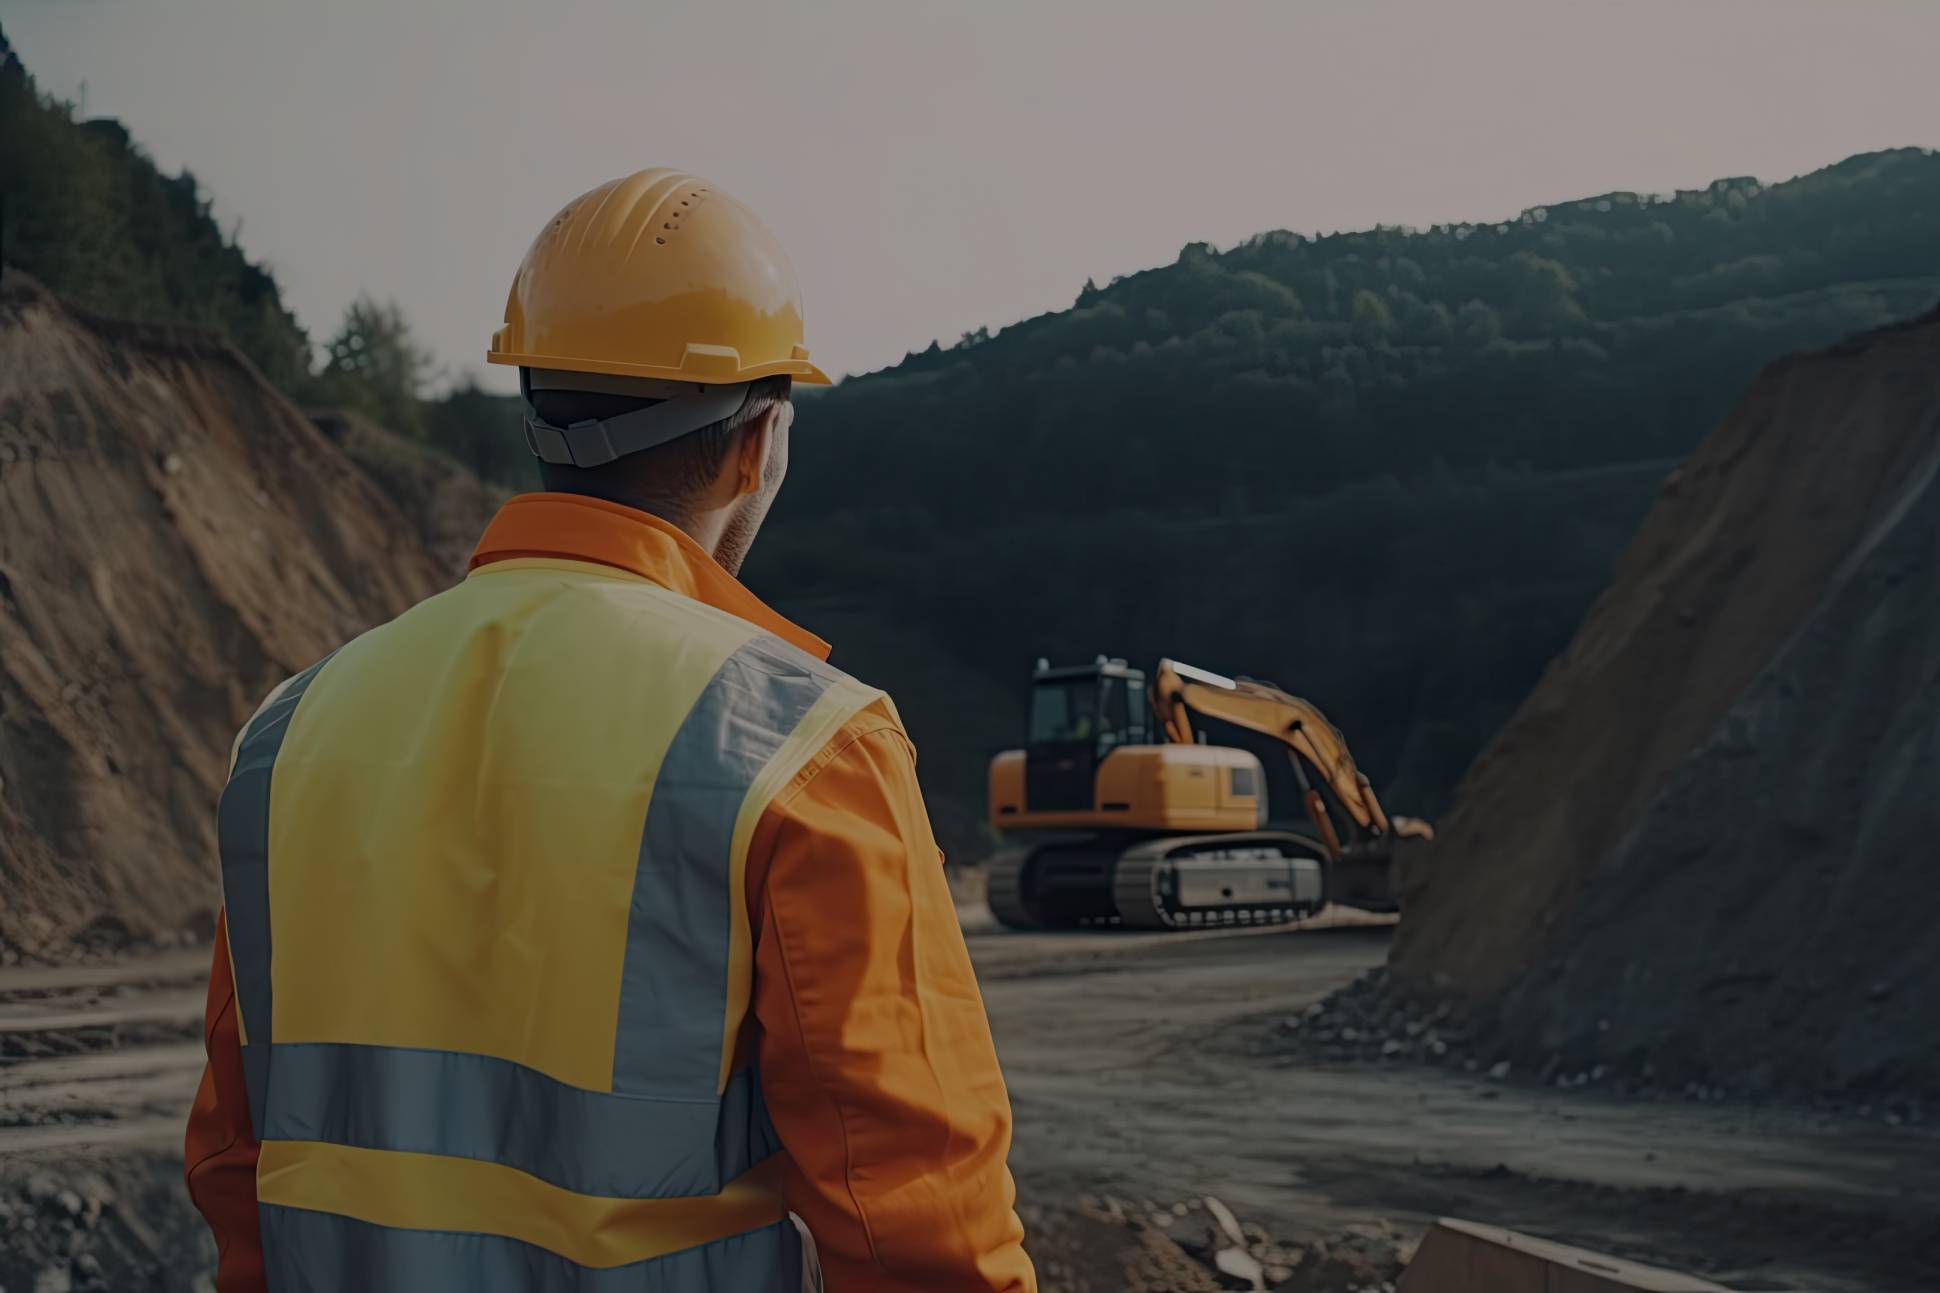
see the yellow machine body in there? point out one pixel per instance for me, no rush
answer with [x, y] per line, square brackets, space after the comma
[1144, 788]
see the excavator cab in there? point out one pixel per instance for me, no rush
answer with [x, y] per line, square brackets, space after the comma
[1079, 714]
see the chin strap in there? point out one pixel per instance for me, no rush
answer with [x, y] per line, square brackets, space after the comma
[683, 408]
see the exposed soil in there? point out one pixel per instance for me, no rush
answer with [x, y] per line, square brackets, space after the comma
[447, 506]
[175, 539]
[1704, 842]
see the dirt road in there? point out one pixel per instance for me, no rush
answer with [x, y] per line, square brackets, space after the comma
[101, 1054]
[1129, 1062]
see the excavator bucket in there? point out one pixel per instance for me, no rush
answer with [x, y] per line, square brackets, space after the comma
[1463, 1257]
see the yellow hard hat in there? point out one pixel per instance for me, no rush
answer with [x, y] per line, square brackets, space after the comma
[657, 275]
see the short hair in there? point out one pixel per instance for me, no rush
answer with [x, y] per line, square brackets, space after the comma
[668, 477]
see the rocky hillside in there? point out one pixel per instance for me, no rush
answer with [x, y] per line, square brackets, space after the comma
[175, 538]
[1706, 840]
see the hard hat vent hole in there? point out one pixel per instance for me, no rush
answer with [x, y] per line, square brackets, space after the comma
[688, 205]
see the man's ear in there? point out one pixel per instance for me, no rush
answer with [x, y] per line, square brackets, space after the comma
[751, 451]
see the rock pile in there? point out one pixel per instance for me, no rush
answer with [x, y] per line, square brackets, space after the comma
[79, 1228]
[1372, 1021]
[1368, 1021]
[1108, 1245]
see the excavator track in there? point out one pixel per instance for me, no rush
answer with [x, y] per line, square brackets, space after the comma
[1195, 881]
[1004, 892]
[1061, 884]
[1163, 882]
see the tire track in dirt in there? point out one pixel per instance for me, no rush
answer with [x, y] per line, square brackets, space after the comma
[99, 1055]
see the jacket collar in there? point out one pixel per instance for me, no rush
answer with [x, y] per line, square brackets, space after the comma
[572, 527]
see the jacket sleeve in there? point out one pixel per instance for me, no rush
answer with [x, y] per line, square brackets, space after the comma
[876, 1058]
[220, 1149]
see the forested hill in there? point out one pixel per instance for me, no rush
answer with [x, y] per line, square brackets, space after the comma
[88, 214]
[1390, 469]
[1584, 333]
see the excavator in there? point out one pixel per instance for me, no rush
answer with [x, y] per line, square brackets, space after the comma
[1174, 831]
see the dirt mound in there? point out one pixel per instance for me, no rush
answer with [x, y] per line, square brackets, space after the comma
[175, 537]
[446, 505]
[1704, 841]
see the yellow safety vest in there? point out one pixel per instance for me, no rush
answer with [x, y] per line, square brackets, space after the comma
[483, 869]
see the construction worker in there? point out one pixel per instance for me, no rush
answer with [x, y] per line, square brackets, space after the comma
[582, 928]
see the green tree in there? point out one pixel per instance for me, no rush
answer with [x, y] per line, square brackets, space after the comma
[481, 430]
[1477, 325]
[376, 367]
[1544, 295]
[1372, 320]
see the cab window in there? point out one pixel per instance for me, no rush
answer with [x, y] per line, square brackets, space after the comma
[1117, 714]
[1064, 711]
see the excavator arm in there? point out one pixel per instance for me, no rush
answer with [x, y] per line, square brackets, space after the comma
[1180, 690]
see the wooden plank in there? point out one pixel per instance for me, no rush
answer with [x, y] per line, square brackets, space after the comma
[1464, 1257]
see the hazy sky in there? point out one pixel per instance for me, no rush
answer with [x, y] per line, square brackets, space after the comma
[933, 167]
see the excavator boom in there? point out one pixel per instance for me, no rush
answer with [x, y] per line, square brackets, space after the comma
[1179, 690]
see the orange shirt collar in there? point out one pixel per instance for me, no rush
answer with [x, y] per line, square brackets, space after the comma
[573, 527]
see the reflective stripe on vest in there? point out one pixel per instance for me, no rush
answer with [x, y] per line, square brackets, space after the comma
[342, 1253]
[483, 873]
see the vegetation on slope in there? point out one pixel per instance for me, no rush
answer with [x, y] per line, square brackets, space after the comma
[1605, 330]
[87, 213]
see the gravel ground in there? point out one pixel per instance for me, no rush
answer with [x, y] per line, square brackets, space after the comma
[103, 1221]
[1370, 1021]
[1152, 1076]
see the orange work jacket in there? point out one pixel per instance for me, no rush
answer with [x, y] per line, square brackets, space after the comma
[863, 1019]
